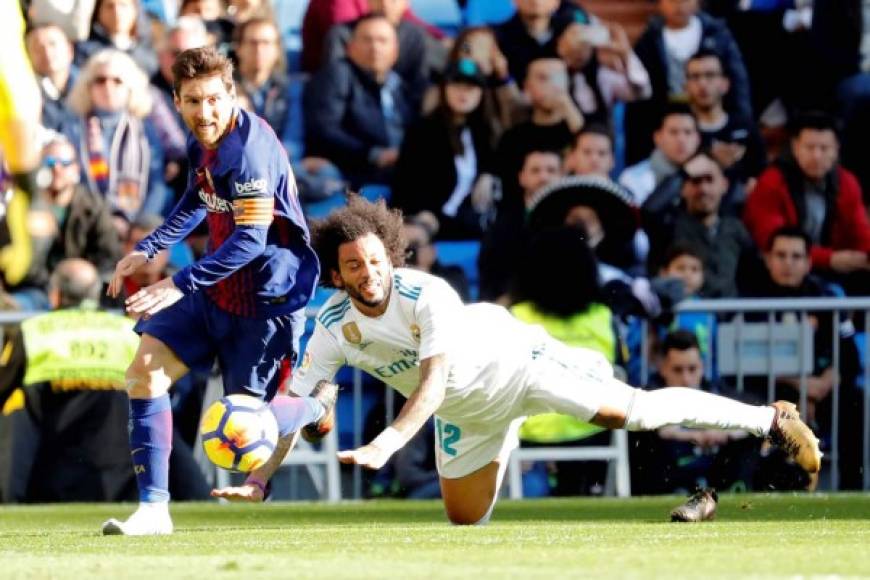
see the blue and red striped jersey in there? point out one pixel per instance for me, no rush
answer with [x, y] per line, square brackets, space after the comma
[259, 262]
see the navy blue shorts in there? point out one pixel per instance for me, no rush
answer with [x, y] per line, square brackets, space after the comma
[249, 351]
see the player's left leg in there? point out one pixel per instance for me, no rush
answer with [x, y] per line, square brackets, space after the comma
[472, 465]
[580, 382]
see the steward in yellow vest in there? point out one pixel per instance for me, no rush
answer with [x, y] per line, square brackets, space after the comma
[65, 428]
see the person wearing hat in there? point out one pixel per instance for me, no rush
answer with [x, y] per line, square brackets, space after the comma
[602, 207]
[444, 159]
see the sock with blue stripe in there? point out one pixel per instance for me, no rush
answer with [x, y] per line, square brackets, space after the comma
[151, 443]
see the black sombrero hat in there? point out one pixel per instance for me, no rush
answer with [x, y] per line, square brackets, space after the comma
[549, 205]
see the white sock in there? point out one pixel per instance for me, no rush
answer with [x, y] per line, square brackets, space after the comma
[695, 408]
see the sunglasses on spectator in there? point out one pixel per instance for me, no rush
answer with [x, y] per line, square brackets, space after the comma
[103, 79]
[700, 178]
[52, 162]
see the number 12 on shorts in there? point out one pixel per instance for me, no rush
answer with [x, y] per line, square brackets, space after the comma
[448, 435]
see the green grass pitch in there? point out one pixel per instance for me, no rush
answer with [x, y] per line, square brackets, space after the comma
[759, 536]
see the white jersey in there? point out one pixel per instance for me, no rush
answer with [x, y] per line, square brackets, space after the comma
[487, 349]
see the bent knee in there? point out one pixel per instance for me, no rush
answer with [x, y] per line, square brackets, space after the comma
[465, 517]
[145, 383]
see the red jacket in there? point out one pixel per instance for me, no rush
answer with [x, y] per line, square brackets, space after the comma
[770, 207]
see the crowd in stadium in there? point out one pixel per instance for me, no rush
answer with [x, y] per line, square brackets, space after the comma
[713, 152]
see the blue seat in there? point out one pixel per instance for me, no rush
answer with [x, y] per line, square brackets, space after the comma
[464, 254]
[487, 12]
[444, 14]
[375, 191]
[321, 209]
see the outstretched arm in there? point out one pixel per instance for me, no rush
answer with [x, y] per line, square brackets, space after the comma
[420, 406]
[254, 488]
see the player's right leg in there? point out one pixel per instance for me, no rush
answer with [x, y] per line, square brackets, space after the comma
[154, 369]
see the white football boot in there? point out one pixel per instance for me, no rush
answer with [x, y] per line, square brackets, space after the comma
[151, 519]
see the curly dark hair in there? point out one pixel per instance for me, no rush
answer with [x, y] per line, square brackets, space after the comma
[352, 222]
[559, 273]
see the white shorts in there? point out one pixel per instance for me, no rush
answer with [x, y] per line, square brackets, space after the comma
[558, 379]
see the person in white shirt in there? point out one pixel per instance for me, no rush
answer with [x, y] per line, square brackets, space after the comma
[477, 369]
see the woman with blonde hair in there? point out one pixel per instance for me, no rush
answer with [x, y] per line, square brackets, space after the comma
[117, 145]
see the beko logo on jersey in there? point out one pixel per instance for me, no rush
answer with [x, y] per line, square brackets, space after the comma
[214, 203]
[251, 186]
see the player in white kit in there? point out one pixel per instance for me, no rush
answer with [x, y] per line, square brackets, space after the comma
[477, 369]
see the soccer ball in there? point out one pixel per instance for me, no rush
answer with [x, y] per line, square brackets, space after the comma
[239, 433]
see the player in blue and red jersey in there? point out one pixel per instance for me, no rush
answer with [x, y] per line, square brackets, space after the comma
[243, 302]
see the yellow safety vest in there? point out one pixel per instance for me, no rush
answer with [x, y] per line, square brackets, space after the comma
[78, 349]
[591, 329]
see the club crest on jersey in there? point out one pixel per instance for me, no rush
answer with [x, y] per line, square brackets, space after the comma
[306, 361]
[251, 186]
[351, 333]
[415, 332]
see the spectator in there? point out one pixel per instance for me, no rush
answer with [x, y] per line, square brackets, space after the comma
[808, 188]
[69, 221]
[117, 145]
[603, 69]
[419, 230]
[554, 121]
[680, 30]
[531, 33]
[51, 53]
[557, 288]
[119, 25]
[358, 107]
[722, 240]
[445, 158]
[73, 17]
[605, 212]
[685, 263]
[592, 153]
[322, 15]
[699, 457]
[507, 238]
[214, 17]
[503, 104]
[734, 142]
[788, 266]
[676, 139]
[420, 55]
[263, 83]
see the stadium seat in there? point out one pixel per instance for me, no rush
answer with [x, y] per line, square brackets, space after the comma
[487, 12]
[376, 191]
[616, 454]
[463, 254]
[444, 14]
[321, 209]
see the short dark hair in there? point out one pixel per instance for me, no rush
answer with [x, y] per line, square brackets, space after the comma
[793, 232]
[813, 120]
[708, 53]
[681, 340]
[679, 249]
[595, 129]
[201, 62]
[675, 108]
[369, 17]
[357, 219]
